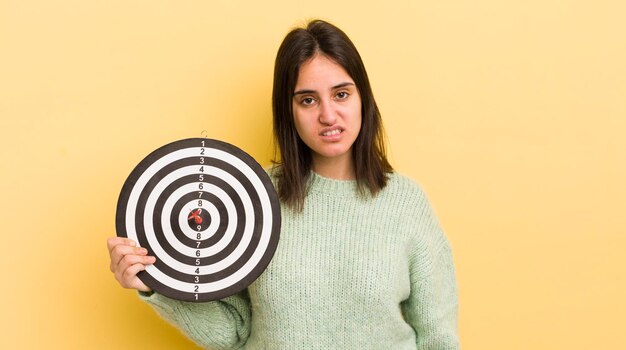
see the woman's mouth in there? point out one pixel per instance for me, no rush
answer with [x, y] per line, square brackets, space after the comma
[332, 132]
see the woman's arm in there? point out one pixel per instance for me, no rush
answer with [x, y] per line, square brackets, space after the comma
[223, 324]
[432, 307]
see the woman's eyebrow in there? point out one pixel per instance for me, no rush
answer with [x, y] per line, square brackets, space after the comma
[301, 92]
[338, 86]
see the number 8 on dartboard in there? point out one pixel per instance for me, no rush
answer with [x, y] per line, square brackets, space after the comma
[209, 214]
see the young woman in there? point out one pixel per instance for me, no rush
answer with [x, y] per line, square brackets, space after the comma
[362, 262]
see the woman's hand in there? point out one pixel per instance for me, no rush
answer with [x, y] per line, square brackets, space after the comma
[127, 260]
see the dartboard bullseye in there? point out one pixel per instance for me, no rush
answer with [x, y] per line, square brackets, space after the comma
[209, 214]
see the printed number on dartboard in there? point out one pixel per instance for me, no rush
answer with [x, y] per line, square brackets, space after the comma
[199, 227]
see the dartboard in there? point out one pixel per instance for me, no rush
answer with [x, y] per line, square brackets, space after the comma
[209, 214]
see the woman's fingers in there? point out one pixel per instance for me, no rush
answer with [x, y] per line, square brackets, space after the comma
[130, 266]
[118, 250]
[117, 247]
[112, 242]
[127, 259]
[132, 259]
[130, 279]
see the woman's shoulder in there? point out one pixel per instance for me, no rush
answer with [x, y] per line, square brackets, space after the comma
[413, 205]
[272, 172]
[408, 195]
[401, 185]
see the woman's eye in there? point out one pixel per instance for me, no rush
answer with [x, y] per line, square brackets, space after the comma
[342, 95]
[307, 101]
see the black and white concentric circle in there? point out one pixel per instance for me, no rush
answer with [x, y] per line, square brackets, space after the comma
[209, 214]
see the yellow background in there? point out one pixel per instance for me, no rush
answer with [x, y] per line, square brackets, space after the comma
[512, 116]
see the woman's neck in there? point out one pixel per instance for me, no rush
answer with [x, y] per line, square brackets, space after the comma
[339, 168]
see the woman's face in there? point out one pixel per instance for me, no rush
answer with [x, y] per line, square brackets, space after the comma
[327, 110]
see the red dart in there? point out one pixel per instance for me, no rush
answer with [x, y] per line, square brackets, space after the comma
[195, 214]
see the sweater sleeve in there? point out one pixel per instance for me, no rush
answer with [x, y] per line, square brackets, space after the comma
[222, 324]
[432, 307]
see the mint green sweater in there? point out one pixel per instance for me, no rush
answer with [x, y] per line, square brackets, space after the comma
[349, 273]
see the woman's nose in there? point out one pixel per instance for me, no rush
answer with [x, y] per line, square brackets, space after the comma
[328, 114]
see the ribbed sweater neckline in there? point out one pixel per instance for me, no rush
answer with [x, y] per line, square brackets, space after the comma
[320, 184]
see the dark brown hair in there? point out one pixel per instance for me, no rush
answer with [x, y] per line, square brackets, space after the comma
[368, 151]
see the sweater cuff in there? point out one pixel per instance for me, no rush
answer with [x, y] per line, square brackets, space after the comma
[145, 295]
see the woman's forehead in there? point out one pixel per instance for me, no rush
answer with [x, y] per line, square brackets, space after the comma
[321, 72]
